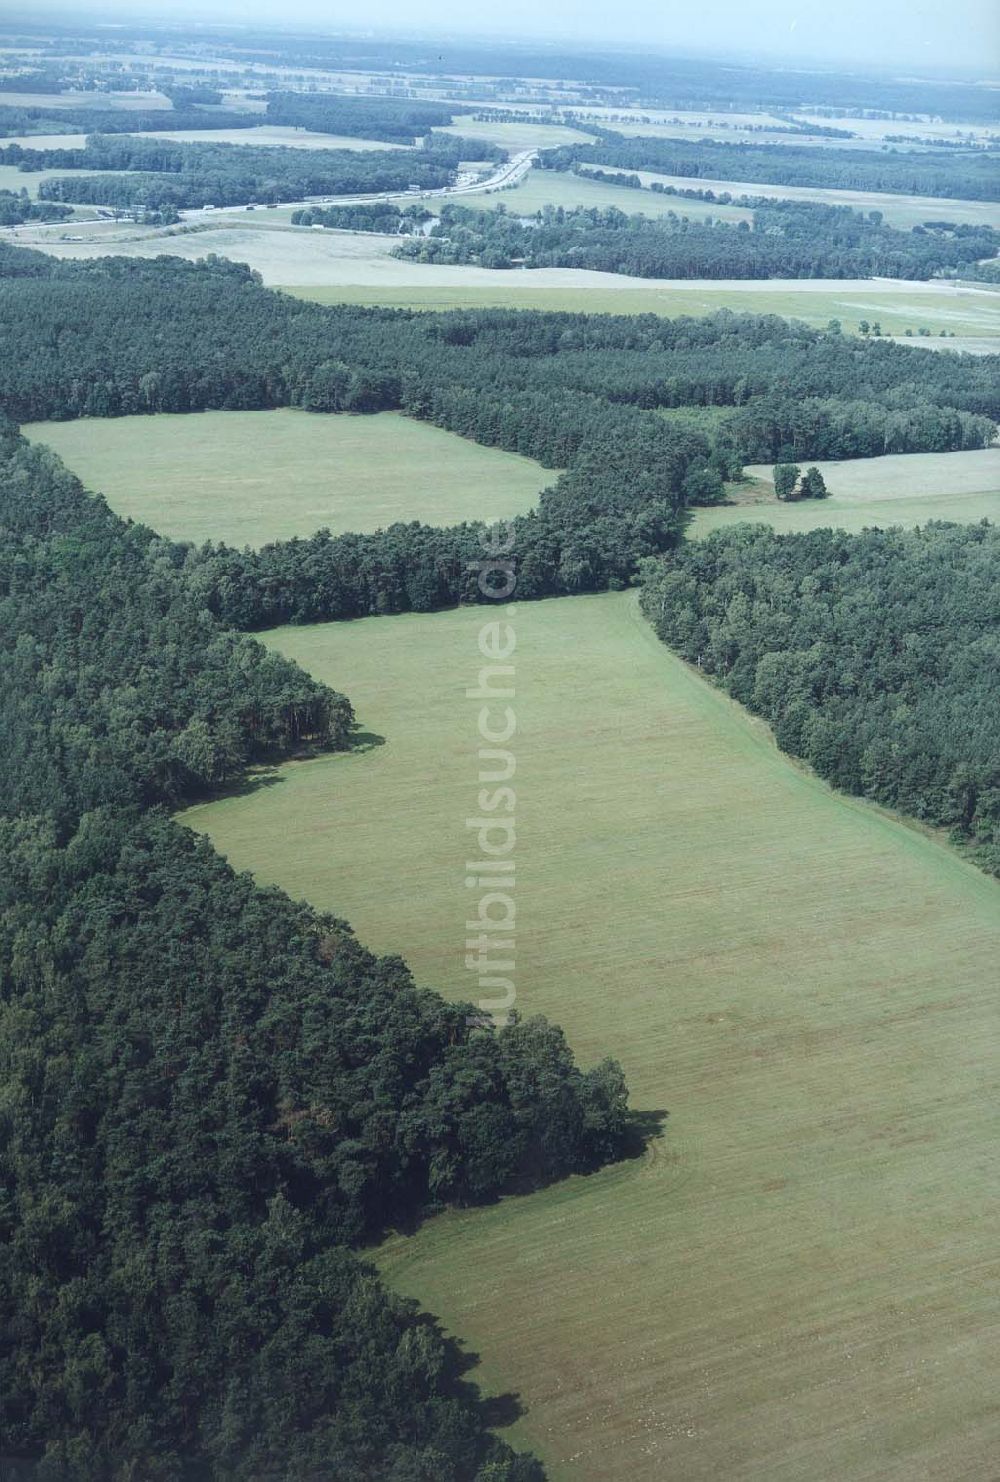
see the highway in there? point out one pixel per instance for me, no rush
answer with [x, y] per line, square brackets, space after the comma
[509, 173]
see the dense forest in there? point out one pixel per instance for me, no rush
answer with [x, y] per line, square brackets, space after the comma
[214, 1092]
[842, 427]
[958, 174]
[873, 656]
[163, 173]
[795, 127]
[85, 599]
[581, 395]
[394, 120]
[24, 119]
[115, 336]
[784, 240]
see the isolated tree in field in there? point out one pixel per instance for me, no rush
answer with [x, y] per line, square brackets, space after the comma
[813, 485]
[786, 476]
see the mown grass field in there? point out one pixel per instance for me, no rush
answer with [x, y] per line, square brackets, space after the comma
[956, 311]
[273, 135]
[11, 178]
[514, 136]
[904, 475]
[276, 136]
[559, 188]
[904, 489]
[899, 210]
[791, 1284]
[130, 102]
[251, 477]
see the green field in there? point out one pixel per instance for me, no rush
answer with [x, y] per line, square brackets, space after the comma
[958, 311]
[558, 188]
[11, 178]
[251, 477]
[130, 102]
[790, 1284]
[275, 136]
[899, 210]
[902, 489]
[515, 136]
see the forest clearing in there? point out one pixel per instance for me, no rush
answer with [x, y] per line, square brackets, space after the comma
[802, 982]
[251, 477]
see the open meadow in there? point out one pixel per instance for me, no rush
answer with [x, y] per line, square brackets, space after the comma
[251, 477]
[899, 210]
[515, 136]
[900, 489]
[277, 136]
[11, 178]
[790, 1283]
[541, 188]
[271, 135]
[896, 305]
[875, 130]
[129, 102]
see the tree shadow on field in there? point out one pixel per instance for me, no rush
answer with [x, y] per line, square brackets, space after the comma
[644, 1128]
[502, 1410]
[495, 1411]
[254, 779]
[365, 740]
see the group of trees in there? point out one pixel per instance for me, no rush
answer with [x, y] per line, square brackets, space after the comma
[22, 119]
[784, 239]
[394, 120]
[786, 428]
[788, 487]
[873, 656]
[954, 173]
[17, 207]
[162, 173]
[379, 216]
[33, 80]
[85, 599]
[214, 1092]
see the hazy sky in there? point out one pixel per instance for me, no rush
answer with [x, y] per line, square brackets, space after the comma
[890, 33]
